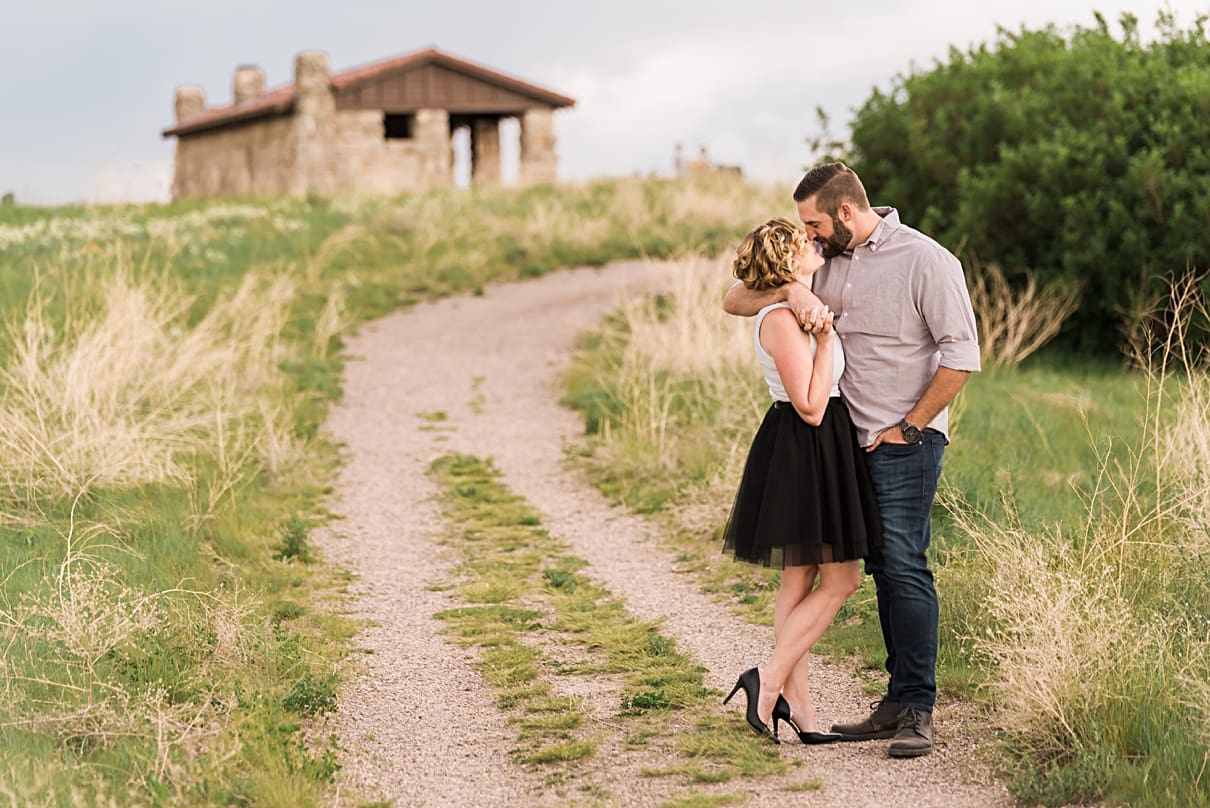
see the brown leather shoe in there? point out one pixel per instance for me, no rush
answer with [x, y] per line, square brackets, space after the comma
[915, 735]
[882, 723]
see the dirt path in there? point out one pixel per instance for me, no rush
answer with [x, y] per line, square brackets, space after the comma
[419, 727]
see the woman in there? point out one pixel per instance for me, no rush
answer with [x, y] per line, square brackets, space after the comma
[804, 503]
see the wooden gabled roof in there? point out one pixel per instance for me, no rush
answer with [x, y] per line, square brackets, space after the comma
[371, 86]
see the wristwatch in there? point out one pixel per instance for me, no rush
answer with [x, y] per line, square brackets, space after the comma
[911, 434]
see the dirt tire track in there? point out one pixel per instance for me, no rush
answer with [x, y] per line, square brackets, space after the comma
[491, 363]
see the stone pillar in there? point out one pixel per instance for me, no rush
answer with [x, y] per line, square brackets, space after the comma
[314, 109]
[190, 101]
[485, 153]
[432, 135]
[313, 85]
[248, 84]
[539, 163]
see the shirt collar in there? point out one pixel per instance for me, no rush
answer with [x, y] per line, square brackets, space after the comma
[888, 225]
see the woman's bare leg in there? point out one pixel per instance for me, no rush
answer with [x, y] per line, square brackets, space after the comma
[803, 626]
[796, 690]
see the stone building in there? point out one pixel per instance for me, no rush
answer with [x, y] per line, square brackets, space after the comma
[384, 128]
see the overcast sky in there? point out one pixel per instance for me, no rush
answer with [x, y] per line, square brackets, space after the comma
[86, 87]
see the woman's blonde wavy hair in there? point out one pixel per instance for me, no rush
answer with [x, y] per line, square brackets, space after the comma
[768, 256]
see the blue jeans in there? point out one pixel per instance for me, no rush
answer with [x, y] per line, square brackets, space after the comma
[905, 482]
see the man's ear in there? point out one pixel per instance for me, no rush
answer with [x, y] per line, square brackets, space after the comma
[845, 212]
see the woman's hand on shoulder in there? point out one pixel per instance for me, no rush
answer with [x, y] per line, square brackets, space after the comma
[808, 309]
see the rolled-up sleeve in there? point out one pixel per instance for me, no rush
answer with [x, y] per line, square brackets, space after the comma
[945, 306]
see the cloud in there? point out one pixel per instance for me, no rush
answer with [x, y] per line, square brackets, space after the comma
[629, 120]
[749, 107]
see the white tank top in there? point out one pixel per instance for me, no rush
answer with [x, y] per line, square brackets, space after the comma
[776, 389]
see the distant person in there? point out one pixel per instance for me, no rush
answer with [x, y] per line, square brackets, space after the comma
[899, 303]
[804, 503]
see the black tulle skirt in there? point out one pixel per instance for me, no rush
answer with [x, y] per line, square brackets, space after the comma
[805, 497]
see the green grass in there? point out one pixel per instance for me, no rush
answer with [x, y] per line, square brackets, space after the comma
[1050, 417]
[193, 651]
[813, 784]
[690, 800]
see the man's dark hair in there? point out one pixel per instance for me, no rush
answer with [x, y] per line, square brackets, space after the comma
[832, 184]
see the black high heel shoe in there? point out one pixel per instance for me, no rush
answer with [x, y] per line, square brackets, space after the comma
[749, 680]
[782, 712]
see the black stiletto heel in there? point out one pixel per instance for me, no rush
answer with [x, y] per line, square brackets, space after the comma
[749, 680]
[782, 712]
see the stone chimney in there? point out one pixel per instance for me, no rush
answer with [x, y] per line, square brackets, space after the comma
[248, 85]
[190, 101]
[314, 111]
[312, 84]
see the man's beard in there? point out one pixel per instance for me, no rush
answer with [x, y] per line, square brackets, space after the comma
[838, 242]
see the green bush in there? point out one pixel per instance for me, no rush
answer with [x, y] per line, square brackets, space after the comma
[1082, 156]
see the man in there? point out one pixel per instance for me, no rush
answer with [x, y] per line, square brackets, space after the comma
[905, 320]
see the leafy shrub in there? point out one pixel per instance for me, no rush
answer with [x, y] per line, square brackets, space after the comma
[311, 696]
[1081, 157]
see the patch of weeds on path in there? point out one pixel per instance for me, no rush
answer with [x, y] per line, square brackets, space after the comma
[478, 401]
[523, 590]
[434, 421]
[705, 800]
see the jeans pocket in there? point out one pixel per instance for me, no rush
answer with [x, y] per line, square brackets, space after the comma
[894, 451]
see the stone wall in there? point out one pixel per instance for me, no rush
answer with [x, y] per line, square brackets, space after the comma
[256, 159]
[345, 152]
[358, 159]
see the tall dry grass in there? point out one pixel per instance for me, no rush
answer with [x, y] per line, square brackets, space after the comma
[1097, 640]
[125, 392]
[1061, 631]
[1015, 323]
[683, 383]
[684, 330]
[1182, 441]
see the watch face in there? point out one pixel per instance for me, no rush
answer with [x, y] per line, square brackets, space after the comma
[911, 434]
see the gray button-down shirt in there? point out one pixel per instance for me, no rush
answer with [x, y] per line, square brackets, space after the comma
[902, 310]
